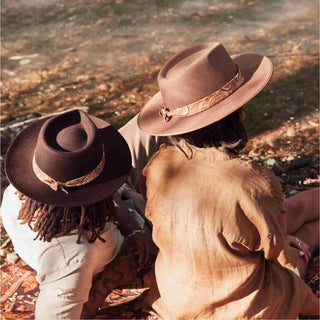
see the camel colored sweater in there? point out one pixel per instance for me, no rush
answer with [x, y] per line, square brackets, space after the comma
[223, 251]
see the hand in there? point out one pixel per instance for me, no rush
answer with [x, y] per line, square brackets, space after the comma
[141, 246]
[300, 247]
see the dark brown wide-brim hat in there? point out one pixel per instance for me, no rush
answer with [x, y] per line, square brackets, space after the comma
[71, 159]
[202, 85]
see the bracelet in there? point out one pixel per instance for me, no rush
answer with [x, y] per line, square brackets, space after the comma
[134, 232]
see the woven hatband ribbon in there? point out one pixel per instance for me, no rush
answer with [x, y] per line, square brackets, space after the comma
[204, 103]
[56, 185]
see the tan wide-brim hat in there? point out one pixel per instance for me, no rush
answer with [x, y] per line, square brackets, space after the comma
[202, 85]
[71, 159]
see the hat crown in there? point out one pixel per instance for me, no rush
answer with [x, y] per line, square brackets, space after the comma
[72, 138]
[194, 74]
[68, 146]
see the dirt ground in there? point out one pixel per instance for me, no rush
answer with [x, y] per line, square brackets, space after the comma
[105, 55]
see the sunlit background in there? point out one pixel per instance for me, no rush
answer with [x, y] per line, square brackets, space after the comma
[105, 55]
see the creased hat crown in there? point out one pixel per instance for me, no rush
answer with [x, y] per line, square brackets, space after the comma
[194, 74]
[202, 85]
[69, 146]
[69, 159]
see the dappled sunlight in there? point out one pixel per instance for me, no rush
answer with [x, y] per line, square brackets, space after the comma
[103, 57]
[106, 54]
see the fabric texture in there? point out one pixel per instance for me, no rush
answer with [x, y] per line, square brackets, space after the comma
[64, 268]
[142, 147]
[19, 291]
[217, 224]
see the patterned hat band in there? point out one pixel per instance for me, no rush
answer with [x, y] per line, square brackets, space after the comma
[56, 185]
[204, 103]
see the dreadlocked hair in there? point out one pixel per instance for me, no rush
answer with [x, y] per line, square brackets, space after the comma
[50, 221]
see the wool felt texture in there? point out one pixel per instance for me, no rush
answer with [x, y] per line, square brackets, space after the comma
[195, 73]
[65, 158]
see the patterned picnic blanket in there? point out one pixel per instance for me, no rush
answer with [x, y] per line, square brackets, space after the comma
[19, 291]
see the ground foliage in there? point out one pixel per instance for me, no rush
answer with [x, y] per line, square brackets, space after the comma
[105, 56]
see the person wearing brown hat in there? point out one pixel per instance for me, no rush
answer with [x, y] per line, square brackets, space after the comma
[220, 222]
[60, 210]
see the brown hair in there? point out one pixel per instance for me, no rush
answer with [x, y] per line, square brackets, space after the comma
[229, 133]
[50, 221]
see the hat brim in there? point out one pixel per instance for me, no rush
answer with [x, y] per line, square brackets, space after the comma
[256, 70]
[18, 166]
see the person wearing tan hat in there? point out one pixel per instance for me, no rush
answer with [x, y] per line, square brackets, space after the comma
[61, 207]
[220, 222]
